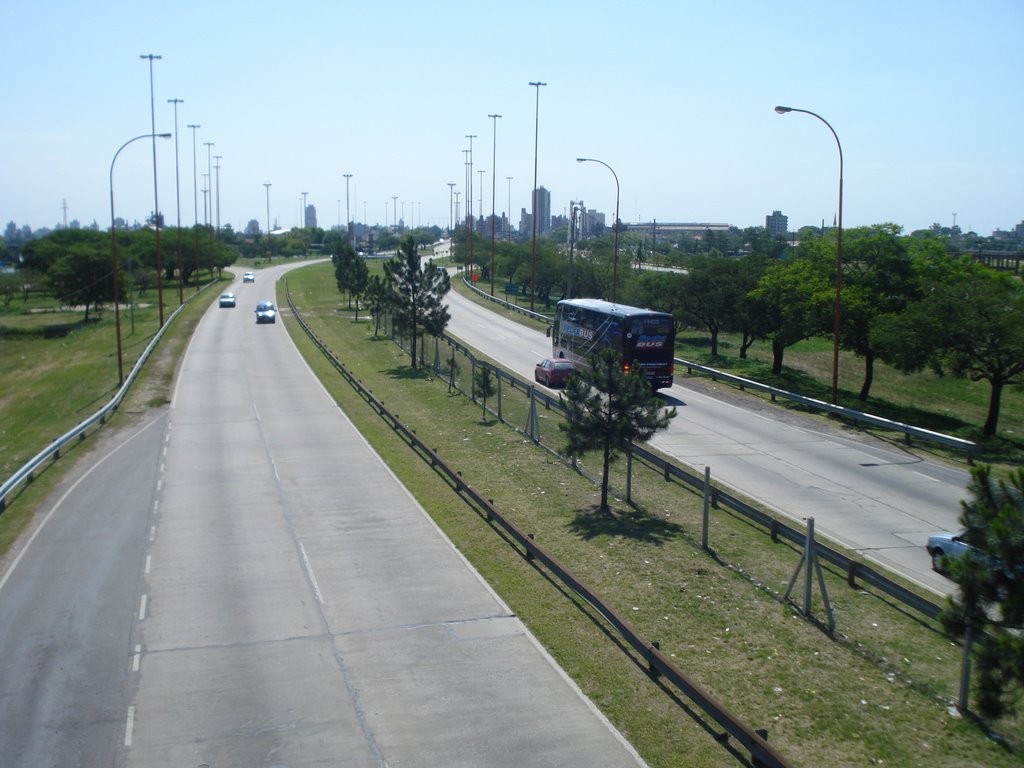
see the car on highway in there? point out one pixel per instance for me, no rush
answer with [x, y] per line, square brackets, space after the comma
[248, 277]
[552, 372]
[266, 312]
[946, 545]
[227, 299]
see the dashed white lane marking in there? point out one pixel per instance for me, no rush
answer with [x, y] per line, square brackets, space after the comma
[149, 562]
[312, 576]
[137, 658]
[129, 726]
[142, 608]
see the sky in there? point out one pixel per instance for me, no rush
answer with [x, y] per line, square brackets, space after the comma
[676, 97]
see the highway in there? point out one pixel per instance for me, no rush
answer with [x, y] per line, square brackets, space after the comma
[243, 581]
[864, 493]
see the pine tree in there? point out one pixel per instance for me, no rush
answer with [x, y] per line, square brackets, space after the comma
[607, 410]
[418, 291]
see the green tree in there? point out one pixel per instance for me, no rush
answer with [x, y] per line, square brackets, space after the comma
[607, 410]
[346, 270]
[435, 314]
[378, 299]
[712, 290]
[418, 291]
[879, 277]
[990, 599]
[793, 301]
[82, 276]
[969, 324]
[10, 286]
[484, 387]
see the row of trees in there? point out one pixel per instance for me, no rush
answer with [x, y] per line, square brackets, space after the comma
[411, 291]
[76, 265]
[906, 301]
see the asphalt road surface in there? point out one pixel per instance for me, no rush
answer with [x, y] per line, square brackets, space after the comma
[244, 582]
[866, 494]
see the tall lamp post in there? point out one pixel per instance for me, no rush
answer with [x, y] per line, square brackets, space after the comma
[494, 180]
[209, 188]
[195, 203]
[113, 251]
[451, 220]
[266, 185]
[177, 195]
[615, 253]
[839, 254]
[156, 203]
[348, 216]
[533, 247]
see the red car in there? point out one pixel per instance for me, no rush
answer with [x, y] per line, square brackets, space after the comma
[552, 372]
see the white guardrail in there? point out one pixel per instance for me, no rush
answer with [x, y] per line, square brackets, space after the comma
[52, 451]
[909, 431]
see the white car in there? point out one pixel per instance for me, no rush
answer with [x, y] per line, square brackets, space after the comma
[248, 277]
[227, 299]
[949, 545]
[266, 312]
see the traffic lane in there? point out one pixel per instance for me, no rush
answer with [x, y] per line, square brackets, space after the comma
[305, 607]
[873, 499]
[67, 603]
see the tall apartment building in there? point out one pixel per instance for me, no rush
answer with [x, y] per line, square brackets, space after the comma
[542, 204]
[776, 224]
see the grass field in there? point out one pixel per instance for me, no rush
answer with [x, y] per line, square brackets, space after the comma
[877, 693]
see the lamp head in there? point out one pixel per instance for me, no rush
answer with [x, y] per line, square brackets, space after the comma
[783, 110]
[163, 135]
[581, 159]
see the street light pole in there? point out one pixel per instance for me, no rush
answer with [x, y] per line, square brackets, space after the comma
[209, 188]
[266, 185]
[451, 220]
[195, 203]
[348, 216]
[533, 249]
[177, 195]
[839, 254]
[156, 203]
[615, 254]
[113, 252]
[217, 187]
[494, 179]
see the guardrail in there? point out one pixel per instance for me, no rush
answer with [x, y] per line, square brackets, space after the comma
[52, 451]
[659, 665]
[907, 430]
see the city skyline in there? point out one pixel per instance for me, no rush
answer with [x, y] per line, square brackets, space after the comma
[678, 98]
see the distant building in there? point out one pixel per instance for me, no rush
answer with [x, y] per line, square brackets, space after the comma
[311, 216]
[542, 205]
[776, 224]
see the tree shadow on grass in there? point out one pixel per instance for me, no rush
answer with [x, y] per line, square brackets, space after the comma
[407, 372]
[627, 523]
